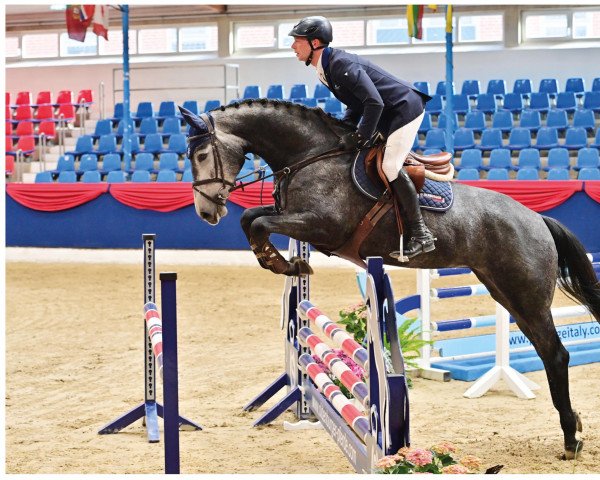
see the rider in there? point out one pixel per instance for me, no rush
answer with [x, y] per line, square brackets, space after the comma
[386, 104]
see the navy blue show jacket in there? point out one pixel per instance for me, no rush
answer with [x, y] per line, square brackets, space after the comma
[384, 102]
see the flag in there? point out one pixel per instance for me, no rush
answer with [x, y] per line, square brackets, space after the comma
[414, 16]
[448, 18]
[80, 17]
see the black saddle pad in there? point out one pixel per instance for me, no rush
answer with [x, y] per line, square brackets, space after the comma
[436, 196]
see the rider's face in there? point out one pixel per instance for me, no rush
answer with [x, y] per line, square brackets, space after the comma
[302, 48]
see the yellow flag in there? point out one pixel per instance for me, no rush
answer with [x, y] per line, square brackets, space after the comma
[448, 18]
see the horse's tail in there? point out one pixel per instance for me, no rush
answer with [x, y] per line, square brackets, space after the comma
[576, 276]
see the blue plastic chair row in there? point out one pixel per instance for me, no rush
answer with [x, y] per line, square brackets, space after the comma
[95, 176]
[153, 143]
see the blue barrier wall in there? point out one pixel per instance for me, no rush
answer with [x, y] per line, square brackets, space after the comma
[107, 223]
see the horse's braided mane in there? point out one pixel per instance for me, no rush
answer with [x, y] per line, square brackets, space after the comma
[266, 102]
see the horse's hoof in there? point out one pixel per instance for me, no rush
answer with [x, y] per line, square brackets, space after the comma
[300, 267]
[573, 454]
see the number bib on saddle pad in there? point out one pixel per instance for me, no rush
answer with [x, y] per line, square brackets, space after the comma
[436, 196]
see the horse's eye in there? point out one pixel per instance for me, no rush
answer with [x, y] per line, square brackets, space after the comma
[202, 156]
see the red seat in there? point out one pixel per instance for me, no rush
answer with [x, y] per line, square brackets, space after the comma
[43, 98]
[24, 127]
[24, 112]
[67, 111]
[44, 112]
[23, 98]
[8, 113]
[9, 165]
[85, 96]
[26, 144]
[8, 128]
[7, 98]
[48, 128]
[64, 97]
[9, 144]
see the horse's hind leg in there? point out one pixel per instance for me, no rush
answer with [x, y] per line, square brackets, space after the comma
[530, 306]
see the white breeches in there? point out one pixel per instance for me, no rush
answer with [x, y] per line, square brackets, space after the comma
[399, 143]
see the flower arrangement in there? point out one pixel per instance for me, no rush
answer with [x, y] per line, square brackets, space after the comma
[351, 364]
[438, 459]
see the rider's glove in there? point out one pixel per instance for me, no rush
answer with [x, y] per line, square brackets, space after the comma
[352, 141]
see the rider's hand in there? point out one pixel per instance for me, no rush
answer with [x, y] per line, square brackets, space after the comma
[351, 141]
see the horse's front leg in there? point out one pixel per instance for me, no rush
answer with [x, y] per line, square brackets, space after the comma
[248, 216]
[293, 225]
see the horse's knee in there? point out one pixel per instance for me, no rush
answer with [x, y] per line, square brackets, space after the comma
[258, 229]
[246, 220]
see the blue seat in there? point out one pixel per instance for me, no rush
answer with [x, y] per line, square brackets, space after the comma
[148, 125]
[211, 105]
[463, 138]
[596, 84]
[512, 102]
[425, 124]
[121, 129]
[440, 89]
[44, 177]
[168, 161]
[111, 162]
[153, 143]
[166, 176]
[531, 120]
[89, 161]
[431, 151]
[422, 87]
[134, 143]
[496, 88]
[177, 144]
[83, 145]
[522, 86]
[591, 101]
[275, 92]
[443, 121]
[187, 175]
[566, 101]
[321, 92]
[460, 104]
[435, 138]
[103, 127]
[500, 158]
[587, 158]
[547, 138]
[486, 103]
[575, 138]
[584, 119]
[529, 158]
[558, 174]
[540, 101]
[106, 144]
[307, 102]
[491, 138]
[141, 176]
[575, 85]
[470, 158]
[528, 174]
[549, 86]
[67, 176]
[166, 109]
[475, 121]
[144, 161]
[498, 174]
[117, 112]
[589, 174]
[468, 174]
[251, 91]
[187, 165]
[519, 138]
[191, 105]
[144, 110]
[471, 88]
[596, 142]
[558, 158]
[298, 90]
[434, 105]
[333, 106]
[416, 145]
[503, 120]
[557, 119]
[170, 126]
[91, 176]
[65, 163]
[116, 176]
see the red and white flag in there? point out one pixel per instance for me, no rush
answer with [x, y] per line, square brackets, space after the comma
[80, 17]
[100, 21]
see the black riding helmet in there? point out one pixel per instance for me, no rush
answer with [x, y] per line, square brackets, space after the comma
[311, 28]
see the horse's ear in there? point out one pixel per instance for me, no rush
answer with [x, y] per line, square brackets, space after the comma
[192, 119]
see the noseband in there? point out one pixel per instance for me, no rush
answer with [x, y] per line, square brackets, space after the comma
[219, 177]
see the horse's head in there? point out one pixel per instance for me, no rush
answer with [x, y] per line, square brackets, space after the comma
[216, 159]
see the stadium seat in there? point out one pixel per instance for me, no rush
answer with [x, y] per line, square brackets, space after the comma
[121, 129]
[43, 98]
[547, 138]
[187, 176]
[333, 106]
[471, 88]
[47, 128]
[498, 174]
[251, 92]
[549, 86]
[43, 177]
[23, 98]
[558, 174]
[596, 142]
[67, 177]
[503, 120]
[170, 126]
[65, 163]
[468, 174]
[103, 127]
[23, 112]
[166, 176]
[140, 176]
[463, 138]
[425, 124]
[513, 102]
[491, 138]
[9, 165]
[584, 119]
[496, 88]
[460, 104]
[298, 90]
[307, 102]
[529, 158]
[591, 101]
[166, 109]
[531, 120]
[26, 144]
[475, 121]
[575, 138]
[596, 84]
[110, 163]
[321, 92]
[558, 158]
[575, 85]
[443, 121]
[211, 105]
[589, 174]
[134, 142]
[275, 92]
[66, 112]
[85, 98]
[44, 112]
[486, 103]
[153, 144]
[422, 87]
[177, 144]
[8, 128]
[566, 101]
[144, 110]
[192, 106]
[91, 176]
[83, 145]
[540, 101]
[470, 158]
[144, 161]
[500, 158]
[148, 125]
[435, 138]
[431, 151]
[117, 113]
[519, 138]
[522, 86]
[557, 119]
[440, 88]
[434, 105]
[106, 144]
[88, 161]
[587, 158]
[64, 97]
[24, 127]
[116, 176]
[168, 161]
[8, 146]
[528, 174]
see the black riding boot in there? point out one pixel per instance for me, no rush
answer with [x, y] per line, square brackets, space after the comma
[418, 237]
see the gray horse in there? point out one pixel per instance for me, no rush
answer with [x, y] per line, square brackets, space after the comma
[516, 253]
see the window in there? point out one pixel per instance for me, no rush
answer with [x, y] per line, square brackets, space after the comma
[198, 39]
[11, 47]
[546, 26]
[434, 29]
[284, 40]
[40, 45]
[114, 45]
[157, 40]
[586, 24]
[348, 33]
[254, 36]
[480, 28]
[73, 48]
[388, 31]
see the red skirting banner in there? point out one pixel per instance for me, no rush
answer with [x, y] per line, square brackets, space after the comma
[592, 188]
[162, 197]
[52, 197]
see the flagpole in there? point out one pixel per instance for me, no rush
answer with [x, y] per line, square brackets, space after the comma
[126, 110]
[449, 80]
